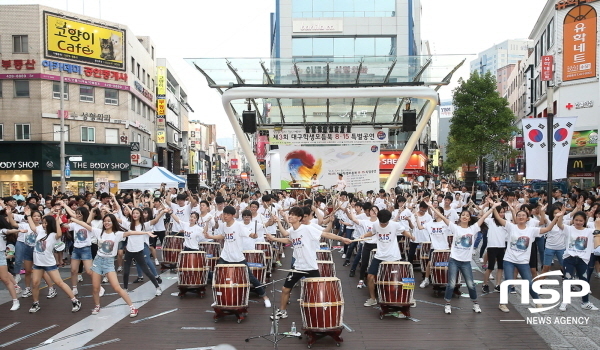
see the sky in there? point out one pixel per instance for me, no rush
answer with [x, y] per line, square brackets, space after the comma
[240, 28]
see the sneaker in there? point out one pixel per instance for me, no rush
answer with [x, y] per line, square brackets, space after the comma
[361, 284]
[120, 269]
[26, 293]
[447, 309]
[267, 303]
[278, 263]
[18, 289]
[476, 308]
[133, 312]
[425, 283]
[589, 306]
[343, 256]
[413, 302]
[139, 279]
[158, 279]
[15, 306]
[484, 266]
[346, 263]
[485, 288]
[76, 306]
[75, 291]
[596, 274]
[104, 279]
[96, 310]
[280, 314]
[158, 292]
[480, 260]
[491, 277]
[563, 307]
[283, 255]
[352, 273]
[51, 293]
[575, 289]
[503, 308]
[18, 278]
[35, 307]
[370, 302]
[497, 288]
[79, 278]
[102, 291]
[156, 263]
[512, 290]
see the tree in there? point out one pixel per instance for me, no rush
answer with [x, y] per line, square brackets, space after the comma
[482, 121]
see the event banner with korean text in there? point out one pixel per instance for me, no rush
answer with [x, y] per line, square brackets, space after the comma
[70, 39]
[357, 136]
[359, 164]
[579, 43]
[535, 134]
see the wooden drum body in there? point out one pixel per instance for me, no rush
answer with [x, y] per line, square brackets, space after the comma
[439, 267]
[171, 248]
[257, 264]
[267, 248]
[231, 286]
[395, 283]
[326, 268]
[324, 255]
[322, 303]
[191, 269]
[213, 252]
[425, 248]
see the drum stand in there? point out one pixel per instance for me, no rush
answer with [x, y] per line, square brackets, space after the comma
[274, 336]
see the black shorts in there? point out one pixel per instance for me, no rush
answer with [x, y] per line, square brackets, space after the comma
[374, 267]
[495, 255]
[293, 277]
[153, 240]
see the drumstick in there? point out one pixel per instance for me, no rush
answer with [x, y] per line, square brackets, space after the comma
[360, 239]
[294, 271]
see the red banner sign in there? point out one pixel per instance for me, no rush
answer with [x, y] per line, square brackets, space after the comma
[547, 73]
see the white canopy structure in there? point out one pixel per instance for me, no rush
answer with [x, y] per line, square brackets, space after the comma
[153, 179]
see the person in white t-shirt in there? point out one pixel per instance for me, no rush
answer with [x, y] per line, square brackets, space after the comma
[518, 251]
[305, 242]
[364, 226]
[43, 259]
[192, 232]
[233, 234]
[182, 209]
[256, 231]
[461, 253]
[314, 183]
[438, 232]
[341, 183]
[387, 248]
[5, 276]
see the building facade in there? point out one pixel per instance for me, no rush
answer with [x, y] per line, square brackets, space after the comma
[500, 55]
[108, 100]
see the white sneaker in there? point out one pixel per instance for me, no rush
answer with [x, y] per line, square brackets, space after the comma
[480, 260]
[267, 303]
[104, 279]
[51, 293]
[158, 292]
[370, 302]
[120, 268]
[18, 289]
[491, 277]
[102, 291]
[15, 306]
[476, 308]
[79, 278]
[26, 293]
[361, 284]
[282, 255]
[563, 307]
[425, 283]
[447, 309]
[156, 263]
[503, 308]
[343, 256]
[75, 291]
[589, 306]
[413, 302]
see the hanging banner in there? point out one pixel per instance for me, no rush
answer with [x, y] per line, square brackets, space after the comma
[579, 43]
[358, 136]
[536, 147]
[359, 164]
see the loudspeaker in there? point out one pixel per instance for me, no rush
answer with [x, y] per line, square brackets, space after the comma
[249, 122]
[409, 120]
[470, 179]
[192, 182]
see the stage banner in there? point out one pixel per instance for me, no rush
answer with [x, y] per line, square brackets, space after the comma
[358, 136]
[359, 164]
[536, 147]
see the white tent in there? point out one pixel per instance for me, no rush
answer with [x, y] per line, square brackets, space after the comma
[153, 179]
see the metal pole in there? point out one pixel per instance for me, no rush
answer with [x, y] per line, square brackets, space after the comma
[63, 182]
[550, 104]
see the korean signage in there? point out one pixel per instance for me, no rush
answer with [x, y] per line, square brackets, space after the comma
[88, 71]
[233, 163]
[579, 43]
[301, 137]
[563, 4]
[70, 39]
[161, 131]
[161, 84]
[18, 64]
[147, 94]
[547, 62]
[318, 26]
[322, 70]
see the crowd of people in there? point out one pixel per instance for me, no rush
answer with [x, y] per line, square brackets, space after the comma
[100, 234]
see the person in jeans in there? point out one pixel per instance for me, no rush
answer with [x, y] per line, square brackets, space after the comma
[555, 240]
[461, 252]
[365, 252]
[520, 240]
[578, 252]
[5, 276]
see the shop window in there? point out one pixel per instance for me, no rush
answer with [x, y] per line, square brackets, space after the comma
[21, 88]
[56, 90]
[143, 76]
[132, 65]
[138, 109]
[86, 93]
[56, 128]
[112, 136]
[20, 44]
[0, 88]
[133, 103]
[88, 134]
[22, 132]
[1, 132]
[111, 97]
